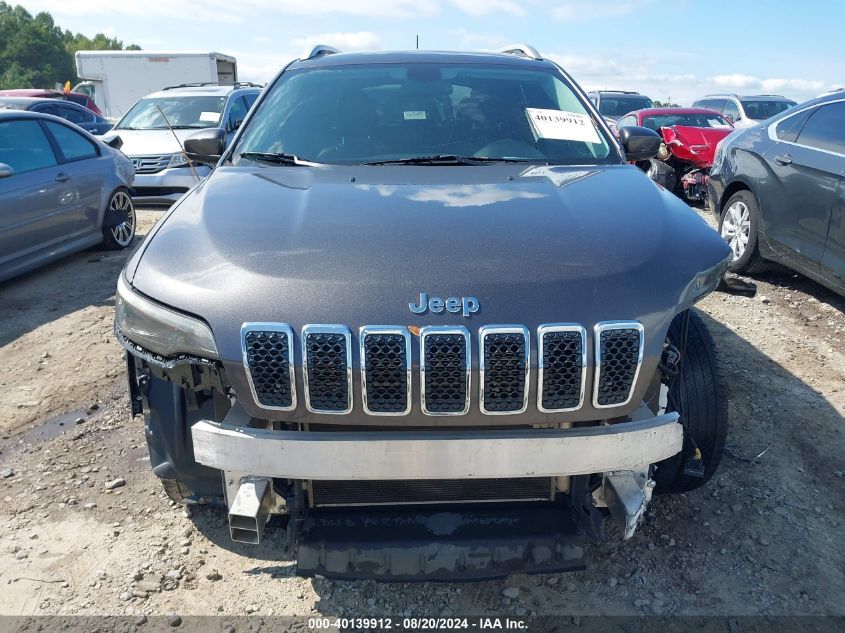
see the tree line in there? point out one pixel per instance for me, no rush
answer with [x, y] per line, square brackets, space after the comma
[37, 53]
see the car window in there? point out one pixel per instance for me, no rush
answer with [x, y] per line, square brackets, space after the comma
[24, 146]
[180, 113]
[72, 144]
[45, 108]
[237, 112]
[619, 105]
[75, 115]
[393, 111]
[689, 119]
[626, 120]
[250, 99]
[787, 129]
[731, 110]
[760, 109]
[825, 129]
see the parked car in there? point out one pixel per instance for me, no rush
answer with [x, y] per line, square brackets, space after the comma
[745, 111]
[83, 117]
[154, 129]
[613, 104]
[690, 136]
[779, 193]
[61, 190]
[78, 98]
[416, 279]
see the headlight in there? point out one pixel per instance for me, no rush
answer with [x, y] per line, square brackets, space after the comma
[159, 329]
[178, 160]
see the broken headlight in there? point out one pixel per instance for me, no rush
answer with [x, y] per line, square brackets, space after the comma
[159, 329]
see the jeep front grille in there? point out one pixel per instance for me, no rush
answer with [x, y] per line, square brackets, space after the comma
[445, 380]
[619, 353]
[445, 370]
[386, 370]
[562, 367]
[504, 352]
[326, 355]
[268, 356]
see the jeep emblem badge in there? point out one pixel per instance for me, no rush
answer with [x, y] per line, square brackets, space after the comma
[464, 305]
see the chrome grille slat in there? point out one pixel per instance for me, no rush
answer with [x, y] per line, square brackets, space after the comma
[445, 370]
[149, 164]
[562, 363]
[504, 370]
[385, 369]
[327, 368]
[618, 357]
[268, 360]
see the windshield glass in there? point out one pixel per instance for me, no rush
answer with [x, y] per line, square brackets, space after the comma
[657, 121]
[759, 110]
[181, 113]
[611, 105]
[387, 112]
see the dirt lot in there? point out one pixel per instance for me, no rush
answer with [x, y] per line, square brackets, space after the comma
[764, 537]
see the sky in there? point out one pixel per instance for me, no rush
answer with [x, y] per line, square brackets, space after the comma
[667, 49]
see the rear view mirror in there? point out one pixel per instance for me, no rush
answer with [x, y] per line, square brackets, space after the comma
[206, 146]
[639, 143]
[6, 171]
[115, 142]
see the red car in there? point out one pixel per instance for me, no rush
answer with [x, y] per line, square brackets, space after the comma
[77, 97]
[690, 136]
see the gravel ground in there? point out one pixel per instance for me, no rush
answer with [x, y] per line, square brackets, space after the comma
[85, 528]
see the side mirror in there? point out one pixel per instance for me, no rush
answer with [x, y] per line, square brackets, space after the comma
[206, 146]
[115, 142]
[235, 124]
[6, 171]
[639, 143]
[730, 118]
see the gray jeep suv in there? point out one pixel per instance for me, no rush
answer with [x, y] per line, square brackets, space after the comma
[425, 315]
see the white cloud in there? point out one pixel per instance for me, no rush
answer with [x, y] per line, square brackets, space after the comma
[358, 41]
[572, 11]
[483, 7]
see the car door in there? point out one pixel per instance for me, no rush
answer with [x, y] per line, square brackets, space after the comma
[37, 202]
[806, 174]
[237, 112]
[85, 168]
[730, 110]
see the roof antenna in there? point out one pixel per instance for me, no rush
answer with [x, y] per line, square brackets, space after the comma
[418, 41]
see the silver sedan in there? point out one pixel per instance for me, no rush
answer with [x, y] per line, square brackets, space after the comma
[61, 190]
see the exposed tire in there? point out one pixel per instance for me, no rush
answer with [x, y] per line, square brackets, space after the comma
[176, 490]
[739, 226]
[120, 231]
[698, 392]
[662, 173]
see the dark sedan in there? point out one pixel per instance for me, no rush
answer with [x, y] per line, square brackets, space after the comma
[83, 117]
[61, 191]
[778, 191]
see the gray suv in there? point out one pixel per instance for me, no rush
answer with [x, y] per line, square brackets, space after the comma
[745, 111]
[155, 128]
[425, 313]
[613, 104]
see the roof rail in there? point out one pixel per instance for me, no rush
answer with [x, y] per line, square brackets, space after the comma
[621, 92]
[318, 51]
[247, 84]
[192, 85]
[522, 50]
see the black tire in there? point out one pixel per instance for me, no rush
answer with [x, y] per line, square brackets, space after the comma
[662, 173]
[176, 490]
[700, 395]
[750, 260]
[120, 221]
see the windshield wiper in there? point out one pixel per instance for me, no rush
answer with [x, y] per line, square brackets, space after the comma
[279, 158]
[446, 159]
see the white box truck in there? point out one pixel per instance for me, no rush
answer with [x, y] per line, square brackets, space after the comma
[115, 80]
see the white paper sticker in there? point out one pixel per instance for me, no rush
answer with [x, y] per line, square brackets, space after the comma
[414, 115]
[210, 117]
[562, 125]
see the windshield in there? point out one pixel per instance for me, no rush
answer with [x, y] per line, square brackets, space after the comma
[393, 112]
[657, 121]
[181, 113]
[759, 110]
[619, 106]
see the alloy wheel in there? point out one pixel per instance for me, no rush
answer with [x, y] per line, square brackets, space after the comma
[124, 232]
[736, 228]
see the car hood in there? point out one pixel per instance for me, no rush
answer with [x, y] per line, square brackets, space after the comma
[356, 245]
[695, 144]
[150, 142]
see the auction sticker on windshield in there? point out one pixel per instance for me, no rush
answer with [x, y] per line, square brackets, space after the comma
[562, 125]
